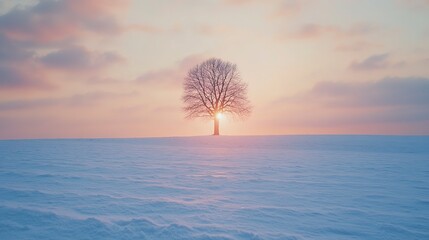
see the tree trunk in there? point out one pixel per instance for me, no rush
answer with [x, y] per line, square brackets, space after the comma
[216, 126]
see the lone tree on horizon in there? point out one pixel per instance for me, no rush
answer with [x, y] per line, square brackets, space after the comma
[213, 88]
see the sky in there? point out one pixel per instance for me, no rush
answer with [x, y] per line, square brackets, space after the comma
[115, 68]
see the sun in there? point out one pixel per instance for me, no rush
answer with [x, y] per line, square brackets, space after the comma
[219, 115]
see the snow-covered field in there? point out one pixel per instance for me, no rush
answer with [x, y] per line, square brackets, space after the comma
[289, 187]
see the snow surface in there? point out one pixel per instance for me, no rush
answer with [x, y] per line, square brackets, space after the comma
[285, 187]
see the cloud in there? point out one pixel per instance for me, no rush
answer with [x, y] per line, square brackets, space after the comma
[173, 76]
[95, 80]
[356, 46]
[79, 58]
[239, 2]
[311, 31]
[372, 62]
[385, 92]
[11, 51]
[21, 69]
[59, 28]
[415, 4]
[210, 30]
[280, 8]
[25, 104]
[92, 97]
[51, 21]
[20, 78]
[76, 100]
[288, 8]
[139, 27]
[375, 62]
[18, 70]
[389, 105]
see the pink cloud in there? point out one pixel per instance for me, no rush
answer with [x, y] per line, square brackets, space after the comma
[172, 76]
[238, 2]
[356, 46]
[215, 30]
[55, 21]
[76, 100]
[56, 26]
[288, 8]
[31, 77]
[88, 7]
[311, 31]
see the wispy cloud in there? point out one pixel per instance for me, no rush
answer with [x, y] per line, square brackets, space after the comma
[357, 46]
[172, 76]
[288, 8]
[74, 58]
[375, 62]
[312, 30]
[211, 30]
[76, 100]
[238, 2]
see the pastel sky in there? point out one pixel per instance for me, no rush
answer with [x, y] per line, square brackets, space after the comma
[114, 68]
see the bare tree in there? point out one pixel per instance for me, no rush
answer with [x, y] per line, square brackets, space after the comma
[212, 88]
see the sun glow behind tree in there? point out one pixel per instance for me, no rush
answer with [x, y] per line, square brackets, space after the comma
[214, 88]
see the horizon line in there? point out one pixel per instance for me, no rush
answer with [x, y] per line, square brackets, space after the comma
[219, 136]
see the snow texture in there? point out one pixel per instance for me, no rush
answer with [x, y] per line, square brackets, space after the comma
[277, 187]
